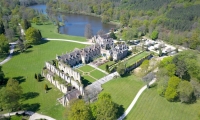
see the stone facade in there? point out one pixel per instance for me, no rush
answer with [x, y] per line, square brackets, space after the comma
[78, 56]
[104, 41]
[119, 52]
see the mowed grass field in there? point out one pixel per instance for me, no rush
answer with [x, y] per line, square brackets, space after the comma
[150, 106]
[123, 90]
[23, 66]
[50, 31]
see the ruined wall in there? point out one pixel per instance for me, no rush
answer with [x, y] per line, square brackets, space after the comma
[68, 75]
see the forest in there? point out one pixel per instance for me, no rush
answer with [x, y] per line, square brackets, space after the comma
[177, 21]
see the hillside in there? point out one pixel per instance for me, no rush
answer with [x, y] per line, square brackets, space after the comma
[176, 21]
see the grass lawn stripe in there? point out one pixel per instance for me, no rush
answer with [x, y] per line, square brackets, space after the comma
[97, 74]
[86, 68]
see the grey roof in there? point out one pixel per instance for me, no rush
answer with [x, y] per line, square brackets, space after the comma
[73, 94]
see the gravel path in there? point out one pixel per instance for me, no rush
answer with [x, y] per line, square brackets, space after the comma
[66, 40]
[10, 55]
[37, 116]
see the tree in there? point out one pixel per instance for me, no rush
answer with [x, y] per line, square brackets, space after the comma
[11, 94]
[145, 65]
[160, 52]
[121, 68]
[26, 24]
[33, 36]
[154, 35]
[2, 29]
[88, 31]
[36, 76]
[78, 110]
[107, 68]
[2, 80]
[106, 109]
[112, 35]
[4, 46]
[171, 93]
[186, 91]
[46, 87]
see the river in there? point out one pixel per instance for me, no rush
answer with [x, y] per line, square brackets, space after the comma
[75, 23]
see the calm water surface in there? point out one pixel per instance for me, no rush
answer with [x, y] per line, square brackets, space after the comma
[75, 24]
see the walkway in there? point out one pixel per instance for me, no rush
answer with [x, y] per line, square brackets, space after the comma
[135, 100]
[33, 116]
[37, 116]
[97, 68]
[10, 55]
[66, 40]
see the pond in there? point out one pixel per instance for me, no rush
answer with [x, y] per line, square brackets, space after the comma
[75, 24]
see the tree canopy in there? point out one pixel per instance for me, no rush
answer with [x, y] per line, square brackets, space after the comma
[33, 36]
[4, 46]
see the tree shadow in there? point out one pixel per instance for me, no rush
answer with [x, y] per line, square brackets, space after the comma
[85, 82]
[31, 107]
[29, 95]
[41, 79]
[20, 79]
[120, 110]
[27, 51]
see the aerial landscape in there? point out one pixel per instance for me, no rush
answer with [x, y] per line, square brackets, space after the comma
[99, 59]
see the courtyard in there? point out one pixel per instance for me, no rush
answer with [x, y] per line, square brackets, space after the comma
[89, 74]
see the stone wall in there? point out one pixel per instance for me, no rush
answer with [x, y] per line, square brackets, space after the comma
[67, 74]
[135, 65]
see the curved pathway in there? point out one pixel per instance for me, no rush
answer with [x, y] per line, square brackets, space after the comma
[135, 100]
[66, 40]
[10, 55]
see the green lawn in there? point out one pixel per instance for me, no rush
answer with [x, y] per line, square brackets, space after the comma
[123, 90]
[23, 66]
[86, 68]
[97, 74]
[151, 106]
[136, 58]
[87, 80]
[50, 31]
[103, 67]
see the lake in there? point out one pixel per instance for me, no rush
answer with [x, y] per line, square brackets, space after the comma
[75, 24]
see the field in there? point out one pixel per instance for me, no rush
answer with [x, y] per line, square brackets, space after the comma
[89, 74]
[23, 66]
[150, 106]
[50, 31]
[136, 58]
[124, 89]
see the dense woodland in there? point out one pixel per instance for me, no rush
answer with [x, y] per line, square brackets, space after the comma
[177, 21]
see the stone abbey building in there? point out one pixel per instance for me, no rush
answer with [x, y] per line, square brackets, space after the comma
[78, 56]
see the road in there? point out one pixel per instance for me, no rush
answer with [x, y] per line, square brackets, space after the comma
[66, 40]
[12, 47]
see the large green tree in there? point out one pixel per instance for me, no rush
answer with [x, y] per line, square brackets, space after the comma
[154, 35]
[11, 94]
[186, 91]
[171, 93]
[4, 46]
[106, 109]
[79, 110]
[33, 36]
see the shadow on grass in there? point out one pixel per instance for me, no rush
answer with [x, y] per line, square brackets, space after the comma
[31, 107]
[85, 82]
[20, 79]
[29, 95]
[120, 110]
[28, 51]
[49, 88]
